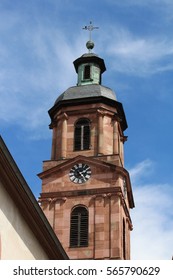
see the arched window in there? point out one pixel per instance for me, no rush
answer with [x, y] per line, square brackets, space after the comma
[79, 227]
[82, 135]
[124, 240]
[87, 74]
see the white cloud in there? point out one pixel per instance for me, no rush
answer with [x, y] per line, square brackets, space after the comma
[141, 170]
[139, 56]
[152, 237]
[36, 63]
[30, 83]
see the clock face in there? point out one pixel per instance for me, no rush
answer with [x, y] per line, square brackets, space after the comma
[80, 173]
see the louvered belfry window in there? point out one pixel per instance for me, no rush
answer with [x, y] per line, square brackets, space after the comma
[82, 135]
[87, 74]
[79, 227]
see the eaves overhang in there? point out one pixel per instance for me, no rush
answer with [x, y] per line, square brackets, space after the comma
[91, 100]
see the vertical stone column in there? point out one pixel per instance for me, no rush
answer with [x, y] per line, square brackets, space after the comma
[100, 133]
[115, 221]
[53, 152]
[92, 225]
[99, 227]
[115, 137]
[122, 150]
[51, 216]
[64, 136]
[101, 245]
[107, 227]
[59, 225]
[47, 205]
[128, 229]
[122, 140]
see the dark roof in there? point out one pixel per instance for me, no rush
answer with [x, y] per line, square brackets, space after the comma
[27, 204]
[86, 91]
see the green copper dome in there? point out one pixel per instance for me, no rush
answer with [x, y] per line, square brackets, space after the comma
[89, 68]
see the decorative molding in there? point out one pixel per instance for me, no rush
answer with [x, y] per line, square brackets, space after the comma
[123, 138]
[116, 118]
[52, 200]
[62, 116]
[88, 192]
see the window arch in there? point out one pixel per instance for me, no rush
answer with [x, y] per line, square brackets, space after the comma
[79, 227]
[82, 135]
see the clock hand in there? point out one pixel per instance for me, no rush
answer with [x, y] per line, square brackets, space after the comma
[81, 174]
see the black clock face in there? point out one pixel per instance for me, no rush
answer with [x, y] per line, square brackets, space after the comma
[80, 173]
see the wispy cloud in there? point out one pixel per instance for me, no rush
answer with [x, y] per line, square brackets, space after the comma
[35, 57]
[139, 55]
[141, 170]
[152, 224]
[30, 83]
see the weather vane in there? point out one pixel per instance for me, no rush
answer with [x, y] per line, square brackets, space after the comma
[90, 28]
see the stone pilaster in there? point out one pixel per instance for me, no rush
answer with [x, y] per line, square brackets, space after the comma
[54, 144]
[64, 136]
[100, 134]
[115, 137]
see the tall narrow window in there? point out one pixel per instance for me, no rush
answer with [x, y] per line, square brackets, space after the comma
[79, 227]
[82, 135]
[87, 74]
[124, 240]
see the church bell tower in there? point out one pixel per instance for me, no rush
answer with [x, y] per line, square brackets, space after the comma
[86, 191]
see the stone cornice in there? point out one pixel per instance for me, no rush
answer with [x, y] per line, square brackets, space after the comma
[52, 197]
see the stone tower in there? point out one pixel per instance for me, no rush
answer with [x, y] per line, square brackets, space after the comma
[86, 191]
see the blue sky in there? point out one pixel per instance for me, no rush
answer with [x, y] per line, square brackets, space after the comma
[40, 39]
